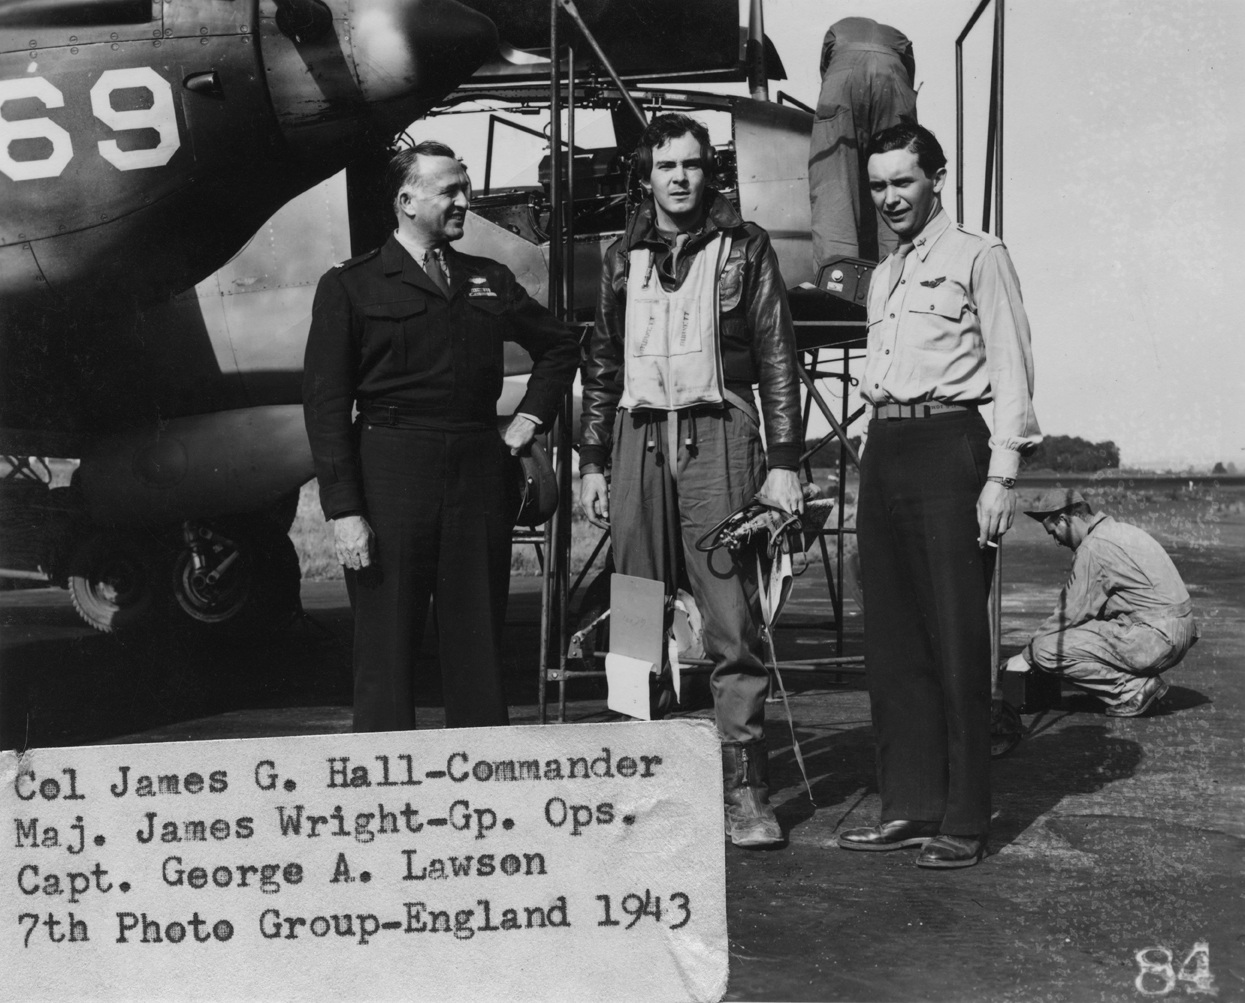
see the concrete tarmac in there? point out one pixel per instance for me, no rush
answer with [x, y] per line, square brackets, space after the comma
[1110, 837]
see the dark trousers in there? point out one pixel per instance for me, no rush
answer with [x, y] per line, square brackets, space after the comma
[927, 634]
[721, 465]
[438, 504]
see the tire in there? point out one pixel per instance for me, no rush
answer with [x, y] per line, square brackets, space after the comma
[257, 592]
[115, 582]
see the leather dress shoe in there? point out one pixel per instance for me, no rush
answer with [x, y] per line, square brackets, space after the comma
[952, 851]
[893, 835]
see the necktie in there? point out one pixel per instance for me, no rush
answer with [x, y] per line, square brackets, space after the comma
[680, 242]
[434, 267]
[901, 259]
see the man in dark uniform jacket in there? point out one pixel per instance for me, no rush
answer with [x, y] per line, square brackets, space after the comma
[412, 334]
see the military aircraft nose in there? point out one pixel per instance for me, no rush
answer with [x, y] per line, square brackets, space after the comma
[369, 65]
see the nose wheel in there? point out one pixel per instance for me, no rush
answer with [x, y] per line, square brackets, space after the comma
[212, 576]
[237, 578]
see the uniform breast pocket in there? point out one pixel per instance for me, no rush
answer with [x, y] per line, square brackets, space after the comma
[939, 316]
[395, 325]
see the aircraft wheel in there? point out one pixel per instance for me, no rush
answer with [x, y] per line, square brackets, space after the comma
[246, 580]
[113, 582]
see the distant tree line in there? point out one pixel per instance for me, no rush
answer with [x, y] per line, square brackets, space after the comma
[1061, 453]
[1072, 454]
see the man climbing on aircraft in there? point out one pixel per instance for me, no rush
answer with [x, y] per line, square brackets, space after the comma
[1123, 617]
[692, 313]
[947, 336]
[412, 334]
[867, 72]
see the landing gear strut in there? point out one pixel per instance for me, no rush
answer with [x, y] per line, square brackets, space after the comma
[238, 577]
[211, 576]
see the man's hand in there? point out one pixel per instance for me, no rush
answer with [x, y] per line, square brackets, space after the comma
[996, 508]
[1016, 663]
[594, 496]
[782, 490]
[352, 539]
[519, 433]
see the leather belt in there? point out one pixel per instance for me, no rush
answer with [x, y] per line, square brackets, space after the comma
[924, 410]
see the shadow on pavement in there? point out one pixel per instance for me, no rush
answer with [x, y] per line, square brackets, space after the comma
[1042, 771]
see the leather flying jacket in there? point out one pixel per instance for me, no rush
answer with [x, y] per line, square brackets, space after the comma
[757, 339]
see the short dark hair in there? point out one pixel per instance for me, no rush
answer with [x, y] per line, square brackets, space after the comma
[662, 130]
[402, 165]
[914, 138]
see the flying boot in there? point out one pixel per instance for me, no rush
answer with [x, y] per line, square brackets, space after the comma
[750, 819]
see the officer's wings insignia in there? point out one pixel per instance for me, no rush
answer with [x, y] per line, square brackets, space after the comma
[933, 283]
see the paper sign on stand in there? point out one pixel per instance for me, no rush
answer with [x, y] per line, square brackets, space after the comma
[628, 682]
[637, 627]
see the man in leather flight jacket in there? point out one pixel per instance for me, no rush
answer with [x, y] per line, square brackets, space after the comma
[707, 290]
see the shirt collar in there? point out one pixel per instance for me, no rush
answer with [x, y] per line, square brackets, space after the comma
[1095, 520]
[420, 254]
[932, 230]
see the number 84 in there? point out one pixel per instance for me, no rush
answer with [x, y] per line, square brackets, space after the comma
[1195, 971]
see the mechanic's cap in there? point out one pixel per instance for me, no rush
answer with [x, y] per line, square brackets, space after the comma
[1052, 501]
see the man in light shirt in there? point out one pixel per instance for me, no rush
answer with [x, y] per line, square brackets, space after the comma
[1123, 617]
[947, 337]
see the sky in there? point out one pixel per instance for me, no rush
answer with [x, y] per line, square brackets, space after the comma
[1123, 123]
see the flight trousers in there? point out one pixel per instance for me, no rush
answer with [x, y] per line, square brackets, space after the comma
[862, 92]
[439, 504]
[656, 517]
[927, 634]
[1112, 659]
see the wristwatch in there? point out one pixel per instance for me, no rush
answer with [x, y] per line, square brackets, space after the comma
[1007, 482]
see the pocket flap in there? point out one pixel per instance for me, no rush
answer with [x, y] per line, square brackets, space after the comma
[489, 304]
[396, 310]
[945, 300]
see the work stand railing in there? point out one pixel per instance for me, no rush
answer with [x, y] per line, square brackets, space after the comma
[992, 183]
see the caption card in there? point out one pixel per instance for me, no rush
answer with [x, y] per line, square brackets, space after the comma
[563, 862]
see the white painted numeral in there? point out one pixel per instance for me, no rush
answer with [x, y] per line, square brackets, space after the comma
[161, 116]
[1200, 977]
[1158, 978]
[33, 128]
[1161, 970]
